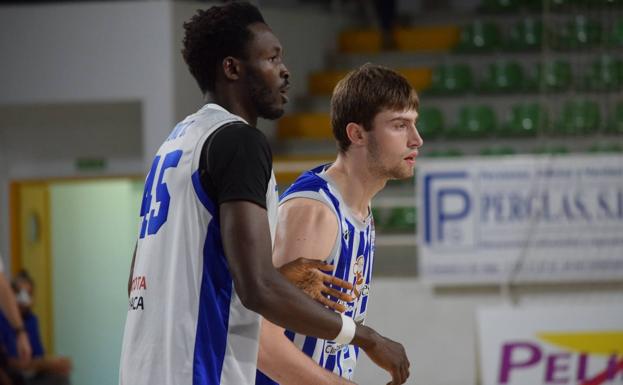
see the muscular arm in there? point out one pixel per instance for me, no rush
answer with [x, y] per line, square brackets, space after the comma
[237, 169]
[307, 229]
[247, 245]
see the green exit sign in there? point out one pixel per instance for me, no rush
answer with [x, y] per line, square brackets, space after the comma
[90, 164]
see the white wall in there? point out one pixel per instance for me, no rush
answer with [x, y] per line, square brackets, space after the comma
[62, 54]
[95, 52]
[45, 140]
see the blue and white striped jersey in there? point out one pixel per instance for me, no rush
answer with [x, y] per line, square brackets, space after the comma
[352, 256]
[185, 324]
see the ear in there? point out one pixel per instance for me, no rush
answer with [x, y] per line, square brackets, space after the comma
[231, 68]
[356, 134]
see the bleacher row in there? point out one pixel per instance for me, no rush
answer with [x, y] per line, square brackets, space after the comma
[517, 76]
[502, 76]
[577, 117]
[526, 34]
[508, 76]
[511, 6]
[529, 34]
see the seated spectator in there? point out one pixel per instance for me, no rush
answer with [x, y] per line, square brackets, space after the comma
[41, 370]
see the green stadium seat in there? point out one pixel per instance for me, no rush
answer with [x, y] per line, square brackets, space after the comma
[474, 122]
[580, 32]
[479, 37]
[533, 5]
[526, 35]
[526, 120]
[430, 122]
[377, 214]
[499, 6]
[554, 75]
[451, 79]
[402, 219]
[616, 122]
[559, 3]
[616, 36]
[503, 77]
[604, 74]
[579, 117]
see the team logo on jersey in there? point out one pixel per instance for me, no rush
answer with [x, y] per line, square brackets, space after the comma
[358, 271]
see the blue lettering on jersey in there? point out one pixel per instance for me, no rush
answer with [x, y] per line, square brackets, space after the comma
[179, 130]
[152, 221]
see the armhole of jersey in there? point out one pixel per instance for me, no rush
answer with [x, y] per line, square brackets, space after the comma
[200, 192]
[319, 197]
[208, 135]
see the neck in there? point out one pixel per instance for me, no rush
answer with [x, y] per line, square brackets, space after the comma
[229, 99]
[356, 184]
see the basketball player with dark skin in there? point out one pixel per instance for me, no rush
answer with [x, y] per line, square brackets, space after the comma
[251, 87]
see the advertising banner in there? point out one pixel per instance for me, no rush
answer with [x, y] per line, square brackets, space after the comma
[520, 219]
[581, 345]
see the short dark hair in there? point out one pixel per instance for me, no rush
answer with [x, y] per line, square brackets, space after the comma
[24, 276]
[212, 35]
[363, 93]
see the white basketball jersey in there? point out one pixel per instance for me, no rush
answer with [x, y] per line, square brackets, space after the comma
[352, 256]
[185, 324]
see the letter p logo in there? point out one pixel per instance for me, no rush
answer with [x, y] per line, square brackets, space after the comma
[446, 202]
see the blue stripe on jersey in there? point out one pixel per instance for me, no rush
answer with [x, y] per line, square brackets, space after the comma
[309, 181]
[364, 303]
[289, 334]
[309, 345]
[370, 253]
[367, 267]
[330, 364]
[214, 302]
[338, 360]
[262, 379]
[201, 194]
[342, 270]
